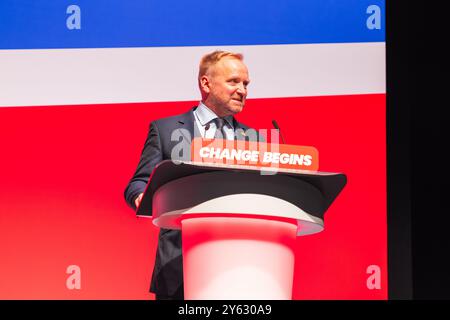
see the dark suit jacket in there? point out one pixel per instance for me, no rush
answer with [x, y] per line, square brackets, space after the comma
[167, 278]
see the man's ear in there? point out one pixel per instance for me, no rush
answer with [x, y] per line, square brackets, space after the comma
[205, 84]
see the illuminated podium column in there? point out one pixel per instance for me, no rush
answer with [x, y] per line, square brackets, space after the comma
[228, 257]
[239, 226]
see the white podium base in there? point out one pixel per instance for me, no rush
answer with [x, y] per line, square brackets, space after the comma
[234, 258]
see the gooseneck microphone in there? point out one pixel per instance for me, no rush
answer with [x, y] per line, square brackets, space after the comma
[275, 124]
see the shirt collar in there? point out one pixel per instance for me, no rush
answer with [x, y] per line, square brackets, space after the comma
[206, 115]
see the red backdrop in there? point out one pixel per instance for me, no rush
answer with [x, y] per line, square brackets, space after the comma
[63, 171]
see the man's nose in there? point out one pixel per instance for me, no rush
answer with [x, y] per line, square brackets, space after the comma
[242, 90]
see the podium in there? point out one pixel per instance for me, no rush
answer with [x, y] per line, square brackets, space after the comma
[239, 224]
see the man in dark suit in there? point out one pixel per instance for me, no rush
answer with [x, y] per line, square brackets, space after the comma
[223, 80]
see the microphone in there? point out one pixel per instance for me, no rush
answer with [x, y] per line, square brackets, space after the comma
[275, 124]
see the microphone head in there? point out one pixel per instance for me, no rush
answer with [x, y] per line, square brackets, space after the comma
[275, 124]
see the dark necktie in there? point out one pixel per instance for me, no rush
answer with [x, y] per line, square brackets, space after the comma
[220, 133]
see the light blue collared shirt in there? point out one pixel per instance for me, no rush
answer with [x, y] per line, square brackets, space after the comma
[204, 117]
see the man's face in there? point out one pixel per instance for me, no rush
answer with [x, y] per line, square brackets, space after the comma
[225, 84]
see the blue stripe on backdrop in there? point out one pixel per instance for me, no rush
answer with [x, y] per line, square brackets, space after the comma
[40, 24]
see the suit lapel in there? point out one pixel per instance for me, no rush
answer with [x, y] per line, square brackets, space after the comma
[239, 130]
[187, 121]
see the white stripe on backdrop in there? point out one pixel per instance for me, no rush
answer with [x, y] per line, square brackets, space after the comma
[125, 75]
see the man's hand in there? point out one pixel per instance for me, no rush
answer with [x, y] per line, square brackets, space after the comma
[138, 200]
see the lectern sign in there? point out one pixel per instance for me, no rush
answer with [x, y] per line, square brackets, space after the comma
[257, 154]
